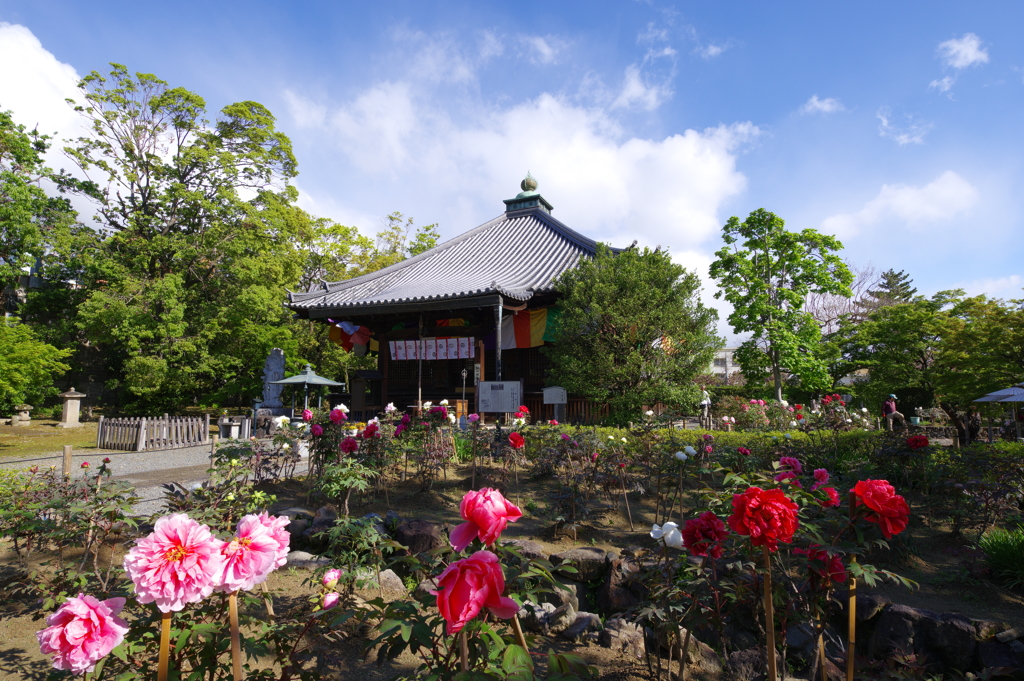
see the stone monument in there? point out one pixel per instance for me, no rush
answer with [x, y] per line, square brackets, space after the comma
[23, 417]
[72, 408]
[271, 406]
[273, 370]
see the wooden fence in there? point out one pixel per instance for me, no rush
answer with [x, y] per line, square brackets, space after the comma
[148, 433]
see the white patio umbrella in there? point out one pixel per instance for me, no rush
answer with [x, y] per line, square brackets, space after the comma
[1014, 394]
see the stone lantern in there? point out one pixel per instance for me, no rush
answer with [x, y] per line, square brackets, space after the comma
[72, 408]
[22, 419]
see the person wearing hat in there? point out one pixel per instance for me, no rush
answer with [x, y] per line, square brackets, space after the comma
[890, 413]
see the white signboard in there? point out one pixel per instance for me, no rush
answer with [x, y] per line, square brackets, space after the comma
[554, 395]
[502, 397]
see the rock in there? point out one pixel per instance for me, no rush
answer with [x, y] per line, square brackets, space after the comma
[614, 595]
[530, 550]
[747, 665]
[391, 521]
[590, 563]
[950, 638]
[323, 521]
[802, 641]
[305, 561]
[419, 536]
[895, 631]
[869, 605]
[1010, 634]
[533, 615]
[560, 620]
[378, 523]
[293, 512]
[297, 527]
[1016, 646]
[585, 623]
[623, 637]
[392, 583]
[559, 596]
[423, 589]
[992, 654]
[833, 672]
[989, 628]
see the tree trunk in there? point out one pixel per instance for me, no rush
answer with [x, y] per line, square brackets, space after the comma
[777, 374]
[954, 417]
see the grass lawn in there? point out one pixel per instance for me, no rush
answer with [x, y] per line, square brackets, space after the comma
[44, 437]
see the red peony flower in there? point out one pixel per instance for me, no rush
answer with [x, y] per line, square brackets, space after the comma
[916, 442]
[829, 568]
[516, 441]
[316, 429]
[468, 586]
[767, 516]
[522, 408]
[799, 417]
[891, 511]
[349, 445]
[833, 497]
[371, 431]
[703, 535]
[307, 415]
[790, 476]
[487, 513]
[743, 450]
[791, 464]
[798, 407]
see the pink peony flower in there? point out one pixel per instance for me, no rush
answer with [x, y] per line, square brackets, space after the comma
[316, 429]
[790, 476]
[566, 437]
[487, 513]
[106, 459]
[82, 632]
[249, 557]
[277, 526]
[743, 450]
[349, 445]
[593, 457]
[821, 477]
[307, 415]
[833, 497]
[330, 600]
[337, 416]
[473, 418]
[789, 463]
[175, 565]
[85, 464]
[552, 422]
[708, 449]
[468, 586]
[331, 577]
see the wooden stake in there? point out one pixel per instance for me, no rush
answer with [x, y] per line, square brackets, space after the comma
[769, 615]
[625, 497]
[165, 646]
[236, 642]
[268, 600]
[852, 608]
[520, 639]
[67, 462]
[464, 650]
[821, 654]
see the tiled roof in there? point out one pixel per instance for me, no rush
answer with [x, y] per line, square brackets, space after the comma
[518, 254]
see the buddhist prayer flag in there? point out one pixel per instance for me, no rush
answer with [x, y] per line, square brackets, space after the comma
[453, 348]
[523, 329]
[433, 348]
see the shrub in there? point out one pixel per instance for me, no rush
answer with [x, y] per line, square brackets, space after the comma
[1004, 550]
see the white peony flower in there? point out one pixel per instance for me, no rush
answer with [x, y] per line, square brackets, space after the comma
[451, 417]
[342, 408]
[282, 421]
[649, 412]
[690, 450]
[443, 403]
[390, 408]
[624, 440]
[286, 446]
[784, 403]
[864, 409]
[681, 456]
[428, 405]
[792, 424]
[669, 533]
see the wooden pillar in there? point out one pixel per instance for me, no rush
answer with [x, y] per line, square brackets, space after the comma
[383, 358]
[497, 340]
[483, 366]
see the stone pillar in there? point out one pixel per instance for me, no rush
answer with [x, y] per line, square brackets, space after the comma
[72, 408]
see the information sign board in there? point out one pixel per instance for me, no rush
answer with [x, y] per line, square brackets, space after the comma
[502, 397]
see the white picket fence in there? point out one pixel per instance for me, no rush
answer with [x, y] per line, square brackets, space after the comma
[145, 433]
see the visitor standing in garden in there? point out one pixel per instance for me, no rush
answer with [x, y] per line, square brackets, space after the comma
[890, 412]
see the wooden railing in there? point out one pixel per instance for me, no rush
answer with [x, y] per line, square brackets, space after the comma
[147, 433]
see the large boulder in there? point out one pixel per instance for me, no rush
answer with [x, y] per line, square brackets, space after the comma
[584, 624]
[546, 618]
[419, 536]
[993, 654]
[303, 560]
[896, 632]
[530, 550]
[951, 638]
[590, 563]
[615, 594]
[325, 518]
[623, 637]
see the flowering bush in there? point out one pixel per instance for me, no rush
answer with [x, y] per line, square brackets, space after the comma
[916, 442]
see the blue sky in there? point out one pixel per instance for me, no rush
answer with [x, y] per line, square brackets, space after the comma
[895, 126]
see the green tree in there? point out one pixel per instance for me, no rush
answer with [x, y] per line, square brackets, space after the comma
[27, 366]
[28, 214]
[767, 279]
[393, 243]
[184, 295]
[632, 331]
[893, 288]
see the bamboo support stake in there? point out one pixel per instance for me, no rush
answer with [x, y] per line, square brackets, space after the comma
[852, 608]
[268, 600]
[165, 646]
[236, 642]
[625, 497]
[518, 630]
[821, 654]
[67, 462]
[769, 615]
[464, 651]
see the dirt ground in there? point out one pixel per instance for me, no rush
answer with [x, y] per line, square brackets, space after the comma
[946, 569]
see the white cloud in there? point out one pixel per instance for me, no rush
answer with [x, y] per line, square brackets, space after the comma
[1007, 288]
[912, 132]
[827, 105]
[652, 33]
[963, 52]
[944, 85]
[636, 93]
[946, 197]
[541, 49]
[710, 51]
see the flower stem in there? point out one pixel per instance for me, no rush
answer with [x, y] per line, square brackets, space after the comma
[769, 615]
[165, 646]
[464, 650]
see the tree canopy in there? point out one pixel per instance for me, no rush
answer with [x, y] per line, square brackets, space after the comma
[766, 273]
[632, 331]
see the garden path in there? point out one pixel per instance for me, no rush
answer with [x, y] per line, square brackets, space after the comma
[147, 471]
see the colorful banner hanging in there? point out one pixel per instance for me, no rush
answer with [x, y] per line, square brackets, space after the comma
[433, 348]
[523, 329]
